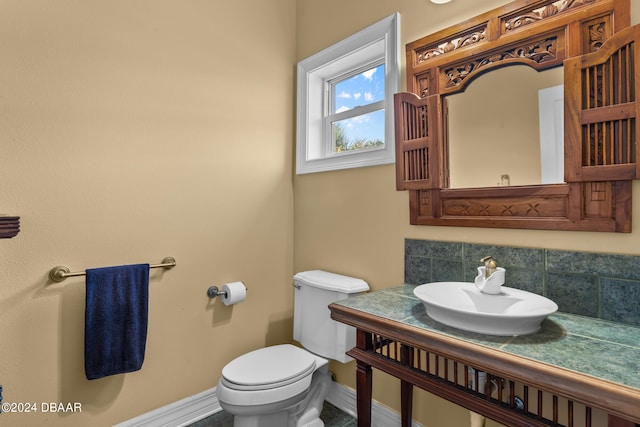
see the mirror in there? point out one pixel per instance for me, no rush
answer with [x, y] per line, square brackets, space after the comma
[495, 128]
[591, 49]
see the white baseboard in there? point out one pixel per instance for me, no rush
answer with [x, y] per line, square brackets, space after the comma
[191, 409]
[179, 414]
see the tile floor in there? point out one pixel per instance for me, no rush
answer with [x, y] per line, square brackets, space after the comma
[332, 417]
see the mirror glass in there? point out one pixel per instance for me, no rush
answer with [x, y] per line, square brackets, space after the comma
[497, 128]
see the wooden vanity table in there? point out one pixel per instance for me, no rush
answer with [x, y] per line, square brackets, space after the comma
[561, 375]
[576, 371]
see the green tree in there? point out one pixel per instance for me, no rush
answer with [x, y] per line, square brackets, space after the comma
[343, 143]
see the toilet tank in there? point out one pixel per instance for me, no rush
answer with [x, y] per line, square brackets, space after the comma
[312, 323]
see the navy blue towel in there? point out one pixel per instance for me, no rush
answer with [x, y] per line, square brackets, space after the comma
[116, 314]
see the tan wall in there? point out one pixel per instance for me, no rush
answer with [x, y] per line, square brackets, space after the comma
[131, 131]
[355, 222]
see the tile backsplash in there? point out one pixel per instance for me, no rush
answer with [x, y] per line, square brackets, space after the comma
[600, 285]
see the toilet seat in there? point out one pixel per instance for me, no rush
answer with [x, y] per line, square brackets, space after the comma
[278, 375]
[268, 368]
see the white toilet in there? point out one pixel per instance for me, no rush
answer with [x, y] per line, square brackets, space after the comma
[285, 385]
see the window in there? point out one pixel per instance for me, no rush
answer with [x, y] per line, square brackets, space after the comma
[356, 117]
[345, 101]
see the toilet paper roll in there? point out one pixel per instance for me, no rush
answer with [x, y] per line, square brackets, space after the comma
[233, 293]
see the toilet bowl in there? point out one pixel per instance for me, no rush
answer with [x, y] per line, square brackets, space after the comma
[285, 385]
[275, 387]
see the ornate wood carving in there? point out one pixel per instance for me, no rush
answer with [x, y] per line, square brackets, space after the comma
[597, 35]
[600, 143]
[541, 52]
[544, 12]
[469, 38]
[424, 84]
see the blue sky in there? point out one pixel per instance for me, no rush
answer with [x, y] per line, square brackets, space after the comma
[362, 89]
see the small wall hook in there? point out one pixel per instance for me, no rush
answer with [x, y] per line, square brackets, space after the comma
[213, 292]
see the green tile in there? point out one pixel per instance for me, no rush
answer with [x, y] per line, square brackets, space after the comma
[505, 256]
[433, 248]
[585, 283]
[620, 301]
[417, 270]
[598, 264]
[446, 271]
[573, 293]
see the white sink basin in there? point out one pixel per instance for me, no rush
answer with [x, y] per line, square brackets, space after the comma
[463, 306]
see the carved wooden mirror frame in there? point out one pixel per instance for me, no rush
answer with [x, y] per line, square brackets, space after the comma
[600, 53]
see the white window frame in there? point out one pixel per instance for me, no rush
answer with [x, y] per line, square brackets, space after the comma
[378, 42]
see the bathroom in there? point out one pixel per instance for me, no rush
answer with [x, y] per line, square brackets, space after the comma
[132, 131]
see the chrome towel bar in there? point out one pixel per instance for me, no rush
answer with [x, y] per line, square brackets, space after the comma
[59, 273]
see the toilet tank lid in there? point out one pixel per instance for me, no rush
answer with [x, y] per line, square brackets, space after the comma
[331, 281]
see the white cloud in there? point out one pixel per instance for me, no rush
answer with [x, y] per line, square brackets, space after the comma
[368, 96]
[344, 94]
[341, 109]
[357, 95]
[369, 74]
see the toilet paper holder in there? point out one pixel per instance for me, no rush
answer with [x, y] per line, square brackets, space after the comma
[214, 292]
[230, 293]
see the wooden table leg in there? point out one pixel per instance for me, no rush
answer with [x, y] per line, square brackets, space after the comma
[364, 383]
[406, 388]
[406, 403]
[363, 390]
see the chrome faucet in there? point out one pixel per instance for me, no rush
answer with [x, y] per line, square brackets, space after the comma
[490, 266]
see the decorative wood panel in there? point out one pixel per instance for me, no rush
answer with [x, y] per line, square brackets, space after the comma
[601, 80]
[9, 226]
[597, 206]
[540, 53]
[602, 112]
[535, 14]
[503, 399]
[417, 142]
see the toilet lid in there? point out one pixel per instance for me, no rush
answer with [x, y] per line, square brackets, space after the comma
[269, 367]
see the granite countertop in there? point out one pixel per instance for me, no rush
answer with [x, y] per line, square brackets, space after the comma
[602, 349]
